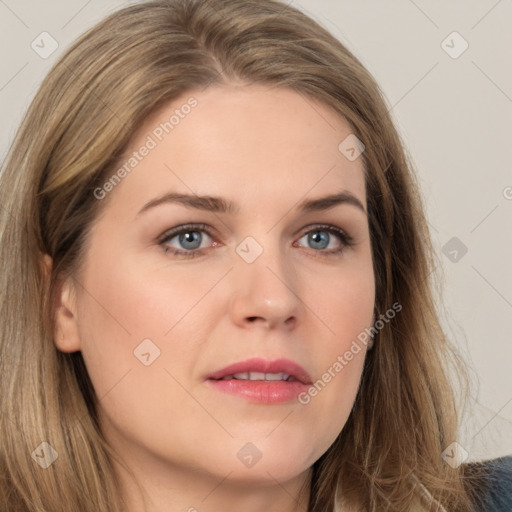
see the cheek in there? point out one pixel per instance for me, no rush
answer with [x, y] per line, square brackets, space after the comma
[329, 401]
[346, 309]
[126, 302]
[116, 311]
[127, 311]
[344, 301]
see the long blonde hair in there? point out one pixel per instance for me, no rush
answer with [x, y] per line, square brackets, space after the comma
[388, 456]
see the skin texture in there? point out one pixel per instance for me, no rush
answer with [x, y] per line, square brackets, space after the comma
[266, 150]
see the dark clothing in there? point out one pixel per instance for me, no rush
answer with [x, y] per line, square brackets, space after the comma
[495, 485]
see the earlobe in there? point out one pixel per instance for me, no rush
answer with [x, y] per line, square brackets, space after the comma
[66, 336]
[65, 320]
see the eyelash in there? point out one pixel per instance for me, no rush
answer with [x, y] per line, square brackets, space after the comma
[346, 240]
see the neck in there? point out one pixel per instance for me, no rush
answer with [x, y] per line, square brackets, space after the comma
[164, 488]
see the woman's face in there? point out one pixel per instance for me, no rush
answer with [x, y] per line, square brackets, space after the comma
[218, 246]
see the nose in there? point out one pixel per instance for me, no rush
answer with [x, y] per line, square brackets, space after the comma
[265, 294]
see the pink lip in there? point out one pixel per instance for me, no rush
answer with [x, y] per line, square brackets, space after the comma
[268, 392]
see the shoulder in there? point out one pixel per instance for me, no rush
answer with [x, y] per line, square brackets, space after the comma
[494, 490]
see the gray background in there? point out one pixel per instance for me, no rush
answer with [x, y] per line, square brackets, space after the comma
[454, 114]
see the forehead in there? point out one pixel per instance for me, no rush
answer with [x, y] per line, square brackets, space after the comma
[248, 143]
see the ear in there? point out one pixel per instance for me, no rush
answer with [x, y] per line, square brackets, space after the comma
[65, 320]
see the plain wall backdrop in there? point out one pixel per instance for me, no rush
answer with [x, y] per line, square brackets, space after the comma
[446, 72]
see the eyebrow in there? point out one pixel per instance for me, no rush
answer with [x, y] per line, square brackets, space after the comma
[220, 205]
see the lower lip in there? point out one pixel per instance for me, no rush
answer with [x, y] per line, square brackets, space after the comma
[261, 391]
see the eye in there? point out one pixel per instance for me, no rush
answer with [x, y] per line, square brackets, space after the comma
[192, 239]
[188, 240]
[327, 239]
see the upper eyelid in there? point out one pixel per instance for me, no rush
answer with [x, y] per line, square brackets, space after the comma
[172, 232]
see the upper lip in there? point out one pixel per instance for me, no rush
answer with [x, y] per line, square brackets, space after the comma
[264, 366]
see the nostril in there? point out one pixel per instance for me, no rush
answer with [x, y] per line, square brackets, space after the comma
[256, 319]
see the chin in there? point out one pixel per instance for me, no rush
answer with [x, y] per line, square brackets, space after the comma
[264, 461]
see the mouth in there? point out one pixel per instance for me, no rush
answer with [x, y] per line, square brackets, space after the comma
[262, 381]
[260, 376]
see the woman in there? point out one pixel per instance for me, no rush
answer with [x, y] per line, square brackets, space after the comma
[216, 284]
